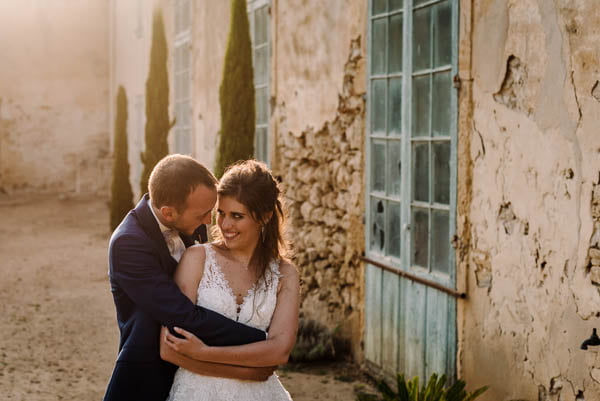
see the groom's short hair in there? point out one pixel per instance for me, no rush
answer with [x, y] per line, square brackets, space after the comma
[175, 177]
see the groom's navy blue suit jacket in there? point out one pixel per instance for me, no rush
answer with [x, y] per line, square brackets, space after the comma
[146, 297]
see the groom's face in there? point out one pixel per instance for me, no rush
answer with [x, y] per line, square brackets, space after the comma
[197, 211]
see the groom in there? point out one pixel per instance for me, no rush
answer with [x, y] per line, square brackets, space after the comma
[143, 254]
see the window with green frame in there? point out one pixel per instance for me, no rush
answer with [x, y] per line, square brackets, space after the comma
[182, 78]
[258, 13]
[410, 142]
[411, 185]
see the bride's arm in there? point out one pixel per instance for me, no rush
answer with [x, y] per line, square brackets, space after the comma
[188, 276]
[212, 369]
[273, 351]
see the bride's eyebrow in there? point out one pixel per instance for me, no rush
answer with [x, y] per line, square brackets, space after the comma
[232, 212]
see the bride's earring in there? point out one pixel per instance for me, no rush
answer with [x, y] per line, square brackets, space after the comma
[262, 233]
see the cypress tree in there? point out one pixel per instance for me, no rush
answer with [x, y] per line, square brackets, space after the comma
[121, 199]
[236, 94]
[157, 102]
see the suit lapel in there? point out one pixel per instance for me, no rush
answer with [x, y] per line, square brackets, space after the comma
[150, 227]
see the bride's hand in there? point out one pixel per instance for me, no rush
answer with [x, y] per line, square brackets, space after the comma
[190, 346]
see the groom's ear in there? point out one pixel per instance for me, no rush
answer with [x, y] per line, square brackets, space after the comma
[168, 213]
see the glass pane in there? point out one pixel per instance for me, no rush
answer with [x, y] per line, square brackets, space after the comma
[420, 106]
[440, 241]
[185, 56]
[396, 4]
[379, 6]
[183, 114]
[378, 166]
[378, 102]
[442, 54]
[185, 84]
[378, 45]
[377, 225]
[441, 111]
[261, 57]
[394, 165]
[177, 18]
[394, 229]
[421, 39]
[395, 107]
[187, 11]
[260, 26]
[261, 144]
[177, 88]
[441, 174]
[419, 238]
[420, 173]
[395, 44]
[261, 106]
[417, 2]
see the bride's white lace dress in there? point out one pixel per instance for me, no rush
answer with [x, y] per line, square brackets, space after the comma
[256, 310]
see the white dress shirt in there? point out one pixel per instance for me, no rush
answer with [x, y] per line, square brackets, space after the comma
[172, 238]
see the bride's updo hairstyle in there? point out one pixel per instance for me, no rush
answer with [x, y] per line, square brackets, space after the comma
[251, 183]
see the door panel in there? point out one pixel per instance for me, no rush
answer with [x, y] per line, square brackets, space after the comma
[411, 186]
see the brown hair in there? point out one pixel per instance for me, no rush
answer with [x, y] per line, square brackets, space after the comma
[174, 178]
[251, 183]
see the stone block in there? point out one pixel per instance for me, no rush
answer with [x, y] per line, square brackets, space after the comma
[595, 275]
[306, 210]
[594, 253]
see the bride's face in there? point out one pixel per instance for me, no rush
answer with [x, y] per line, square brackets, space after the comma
[239, 229]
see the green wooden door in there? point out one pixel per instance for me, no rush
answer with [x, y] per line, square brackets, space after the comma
[410, 327]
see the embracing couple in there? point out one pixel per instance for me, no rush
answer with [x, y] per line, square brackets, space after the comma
[225, 312]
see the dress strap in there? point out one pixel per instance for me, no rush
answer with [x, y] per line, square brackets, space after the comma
[210, 259]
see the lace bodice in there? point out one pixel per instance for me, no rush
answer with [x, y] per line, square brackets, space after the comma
[256, 310]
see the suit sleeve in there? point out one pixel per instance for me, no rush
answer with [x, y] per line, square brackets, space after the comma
[135, 268]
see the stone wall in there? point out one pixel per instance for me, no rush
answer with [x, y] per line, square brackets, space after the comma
[317, 123]
[324, 187]
[527, 201]
[54, 98]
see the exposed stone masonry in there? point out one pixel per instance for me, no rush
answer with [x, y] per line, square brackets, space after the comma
[324, 185]
[594, 252]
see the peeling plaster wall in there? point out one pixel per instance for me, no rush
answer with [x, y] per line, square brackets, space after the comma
[528, 220]
[54, 98]
[318, 111]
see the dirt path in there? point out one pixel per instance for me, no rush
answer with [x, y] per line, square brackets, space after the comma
[58, 331]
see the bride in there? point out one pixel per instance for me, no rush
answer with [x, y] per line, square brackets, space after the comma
[244, 276]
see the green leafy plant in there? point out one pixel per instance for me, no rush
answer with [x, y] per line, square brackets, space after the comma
[157, 102]
[434, 390]
[236, 94]
[121, 195]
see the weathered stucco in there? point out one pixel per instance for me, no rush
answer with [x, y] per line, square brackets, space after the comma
[525, 197]
[318, 91]
[53, 104]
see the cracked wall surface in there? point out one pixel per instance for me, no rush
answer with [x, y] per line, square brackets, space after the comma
[318, 118]
[528, 215]
[54, 98]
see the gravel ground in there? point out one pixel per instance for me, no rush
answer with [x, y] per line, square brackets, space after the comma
[57, 319]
